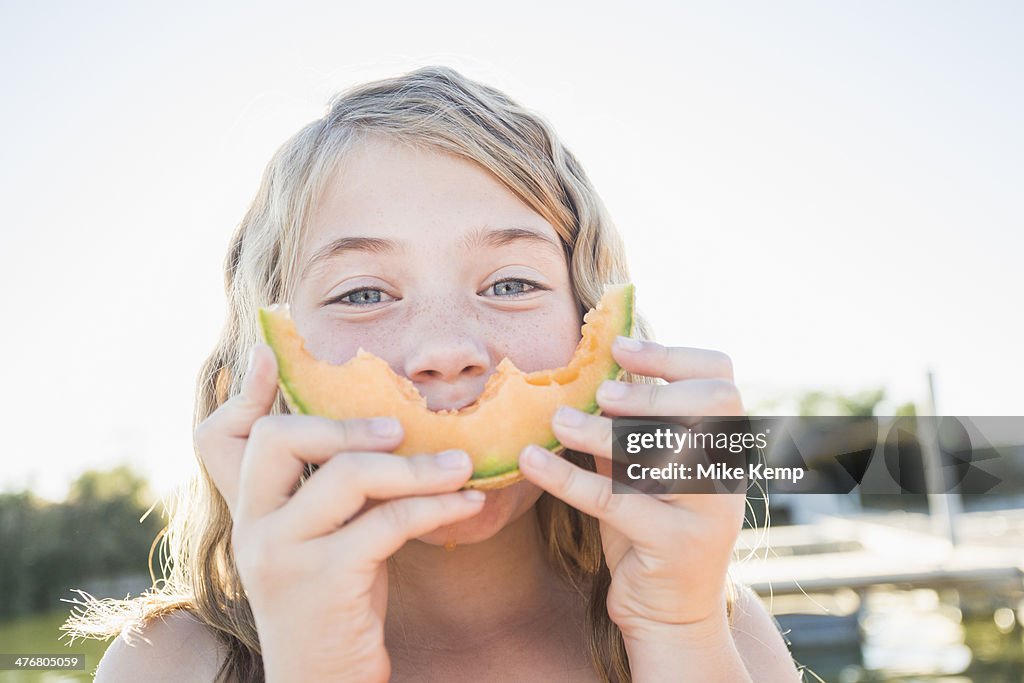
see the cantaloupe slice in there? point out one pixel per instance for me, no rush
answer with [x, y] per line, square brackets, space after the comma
[513, 411]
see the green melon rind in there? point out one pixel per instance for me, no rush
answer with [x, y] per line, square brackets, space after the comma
[296, 404]
[480, 475]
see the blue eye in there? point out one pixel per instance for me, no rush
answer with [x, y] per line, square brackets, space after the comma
[513, 287]
[359, 297]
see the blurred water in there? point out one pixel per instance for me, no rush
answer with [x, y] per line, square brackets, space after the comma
[911, 636]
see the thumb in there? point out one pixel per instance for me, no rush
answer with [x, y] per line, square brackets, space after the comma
[258, 390]
[220, 440]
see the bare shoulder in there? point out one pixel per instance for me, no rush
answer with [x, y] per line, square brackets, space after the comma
[759, 640]
[176, 647]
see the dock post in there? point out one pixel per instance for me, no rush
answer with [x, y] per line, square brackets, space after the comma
[943, 506]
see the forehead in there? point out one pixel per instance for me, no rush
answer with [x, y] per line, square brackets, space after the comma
[391, 190]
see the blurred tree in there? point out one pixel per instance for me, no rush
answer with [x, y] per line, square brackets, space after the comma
[861, 404]
[21, 516]
[97, 532]
[120, 483]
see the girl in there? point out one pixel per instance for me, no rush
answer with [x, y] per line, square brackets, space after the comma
[438, 224]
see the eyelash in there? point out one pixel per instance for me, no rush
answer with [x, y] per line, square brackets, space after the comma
[529, 283]
[340, 299]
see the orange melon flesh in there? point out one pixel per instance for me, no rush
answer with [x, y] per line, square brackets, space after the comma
[513, 411]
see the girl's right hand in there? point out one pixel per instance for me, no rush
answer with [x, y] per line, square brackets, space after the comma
[312, 560]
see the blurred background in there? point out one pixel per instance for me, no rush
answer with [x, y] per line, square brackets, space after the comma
[828, 192]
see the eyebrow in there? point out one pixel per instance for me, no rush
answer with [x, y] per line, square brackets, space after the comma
[482, 237]
[371, 245]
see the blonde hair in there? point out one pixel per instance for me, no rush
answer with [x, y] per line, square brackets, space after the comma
[439, 108]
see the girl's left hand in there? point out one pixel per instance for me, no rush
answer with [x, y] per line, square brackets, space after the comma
[667, 555]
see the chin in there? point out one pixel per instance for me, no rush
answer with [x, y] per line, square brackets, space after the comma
[502, 507]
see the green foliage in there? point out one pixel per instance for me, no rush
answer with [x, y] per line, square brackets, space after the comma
[908, 409]
[120, 483]
[95, 533]
[861, 404]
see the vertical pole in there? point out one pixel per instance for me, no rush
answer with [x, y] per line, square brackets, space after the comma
[943, 506]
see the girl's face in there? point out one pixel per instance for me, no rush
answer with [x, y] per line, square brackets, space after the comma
[426, 260]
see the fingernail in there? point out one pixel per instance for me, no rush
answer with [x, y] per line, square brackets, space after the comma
[474, 496]
[536, 457]
[252, 360]
[453, 460]
[384, 426]
[612, 390]
[569, 417]
[629, 344]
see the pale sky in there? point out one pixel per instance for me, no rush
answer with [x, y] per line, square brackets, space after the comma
[829, 192]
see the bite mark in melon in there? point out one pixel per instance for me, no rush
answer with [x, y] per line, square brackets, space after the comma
[513, 411]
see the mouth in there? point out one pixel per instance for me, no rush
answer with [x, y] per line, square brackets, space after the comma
[451, 404]
[445, 397]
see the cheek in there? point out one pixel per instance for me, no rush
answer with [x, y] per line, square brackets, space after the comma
[537, 341]
[336, 343]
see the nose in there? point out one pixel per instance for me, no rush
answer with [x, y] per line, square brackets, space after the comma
[446, 358]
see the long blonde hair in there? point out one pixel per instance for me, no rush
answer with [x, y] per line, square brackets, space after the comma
[442, 109]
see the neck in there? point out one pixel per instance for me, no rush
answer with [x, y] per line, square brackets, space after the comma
[474, 592]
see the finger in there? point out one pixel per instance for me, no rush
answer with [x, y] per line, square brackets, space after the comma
[280, 446]
[631, 514]
[721, 512]
[720, 507]
[256, 396]
[342, 485]
[688, 398]
[671, 363]
[583, 432]
[219, 440]
[386, 528]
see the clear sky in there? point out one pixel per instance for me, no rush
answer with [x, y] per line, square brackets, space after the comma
[829, 192]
